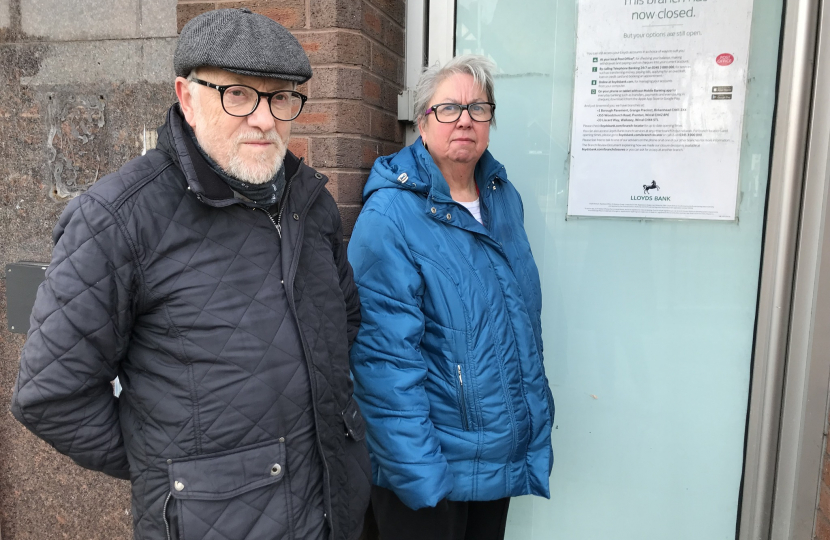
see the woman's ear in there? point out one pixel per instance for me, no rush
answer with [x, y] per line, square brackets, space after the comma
[422, 131]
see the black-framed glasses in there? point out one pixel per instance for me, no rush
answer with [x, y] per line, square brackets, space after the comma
[480, 111]
[241, 100]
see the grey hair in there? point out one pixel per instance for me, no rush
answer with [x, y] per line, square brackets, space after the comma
[478, 66]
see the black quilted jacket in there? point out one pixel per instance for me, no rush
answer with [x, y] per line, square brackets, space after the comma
[230, 340]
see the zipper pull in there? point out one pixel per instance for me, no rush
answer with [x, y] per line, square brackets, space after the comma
[279, 230]
[460, 381]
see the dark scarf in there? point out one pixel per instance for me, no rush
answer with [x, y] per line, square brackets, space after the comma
[262, 195]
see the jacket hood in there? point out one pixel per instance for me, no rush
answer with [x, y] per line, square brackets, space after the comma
[413, 169]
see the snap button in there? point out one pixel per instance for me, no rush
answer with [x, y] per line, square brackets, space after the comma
[403, 178]
[282, 439]
[276, 469]
[296, 216]
[178, 485]
[318, 176]
[449, 216]
[433, 210]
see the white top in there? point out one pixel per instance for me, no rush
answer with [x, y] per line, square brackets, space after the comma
[474, 208]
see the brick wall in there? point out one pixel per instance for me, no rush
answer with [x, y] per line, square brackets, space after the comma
[822, 523]
[81, 84]
[356, 50]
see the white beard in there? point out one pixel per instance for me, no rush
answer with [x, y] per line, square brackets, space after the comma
[259, 172]
[263, 169]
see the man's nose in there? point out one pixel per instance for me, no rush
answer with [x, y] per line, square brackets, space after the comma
[261, 117]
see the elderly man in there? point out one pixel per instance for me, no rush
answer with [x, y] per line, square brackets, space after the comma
[211, 278]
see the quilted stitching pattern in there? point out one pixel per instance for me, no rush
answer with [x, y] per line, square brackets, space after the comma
[190, 305]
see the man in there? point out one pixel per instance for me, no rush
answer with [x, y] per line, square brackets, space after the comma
[210, 276]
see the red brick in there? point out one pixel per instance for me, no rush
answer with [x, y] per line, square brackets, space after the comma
[335, 47]
[336, 13]
[344, 152]
[372, 22]
[289, 13]
[380, 93]
[824, 500]
[336, 82]
[347, 187]
[822, 527]
[390, 148]
[386, 64]
[381, 28]
[333, 117]
[299, 147]
[393, 37]
[825, 471]
[348, 216]
[185, 12]
[384, 126]
[372, 89]
[395, 9]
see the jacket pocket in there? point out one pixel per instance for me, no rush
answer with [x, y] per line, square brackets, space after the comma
[551, 404]
[462, 401]
[358, 468]
[353, 420]
[226, 495]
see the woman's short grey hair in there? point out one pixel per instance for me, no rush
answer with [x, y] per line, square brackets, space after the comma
[479, 67]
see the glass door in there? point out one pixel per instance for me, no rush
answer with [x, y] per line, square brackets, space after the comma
[648, 324]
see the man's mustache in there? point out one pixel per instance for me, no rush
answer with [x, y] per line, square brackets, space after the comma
[270, 136]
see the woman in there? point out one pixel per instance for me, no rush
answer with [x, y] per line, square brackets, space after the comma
[448, 361]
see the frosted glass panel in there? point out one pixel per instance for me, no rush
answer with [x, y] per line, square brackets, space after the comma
[648, 325]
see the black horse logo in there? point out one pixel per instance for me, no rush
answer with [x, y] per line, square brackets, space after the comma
[647, 188]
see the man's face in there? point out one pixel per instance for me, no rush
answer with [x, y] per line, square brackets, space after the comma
[249, 148]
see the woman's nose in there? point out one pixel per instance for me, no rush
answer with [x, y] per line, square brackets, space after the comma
[465, 119]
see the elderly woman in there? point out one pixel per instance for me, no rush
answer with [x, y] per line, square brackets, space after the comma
[448, 361]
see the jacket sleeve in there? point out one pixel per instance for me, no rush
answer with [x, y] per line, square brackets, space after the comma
[388, 367]
[347, 285]
[80, 327]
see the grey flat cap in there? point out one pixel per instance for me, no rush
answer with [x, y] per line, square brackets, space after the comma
[242, 42]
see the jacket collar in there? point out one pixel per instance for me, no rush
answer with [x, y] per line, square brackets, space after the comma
[413, 169]
[202, 180]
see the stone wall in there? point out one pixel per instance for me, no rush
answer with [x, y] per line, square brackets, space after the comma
[84, 85]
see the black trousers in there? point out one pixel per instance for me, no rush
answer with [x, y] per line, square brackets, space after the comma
[449, 520]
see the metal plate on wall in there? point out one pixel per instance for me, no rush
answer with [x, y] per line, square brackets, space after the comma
[22, 281]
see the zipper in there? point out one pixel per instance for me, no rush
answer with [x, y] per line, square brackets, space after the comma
[164, 514]
[290, 295]
[278, 222]
[461, 401]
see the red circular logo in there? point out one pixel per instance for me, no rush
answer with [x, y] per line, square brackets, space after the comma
[725, 59]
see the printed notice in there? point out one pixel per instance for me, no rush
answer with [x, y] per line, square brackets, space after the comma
[658, 108]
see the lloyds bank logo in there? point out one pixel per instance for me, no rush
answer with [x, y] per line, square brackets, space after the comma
[647, 196]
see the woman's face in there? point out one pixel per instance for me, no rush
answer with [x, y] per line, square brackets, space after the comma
[464, 140]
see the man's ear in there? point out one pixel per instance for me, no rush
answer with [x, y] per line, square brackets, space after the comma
[186, 100]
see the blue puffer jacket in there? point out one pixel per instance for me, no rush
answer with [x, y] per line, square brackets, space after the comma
[448, 360]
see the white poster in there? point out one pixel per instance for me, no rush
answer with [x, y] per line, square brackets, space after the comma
[658, 108]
